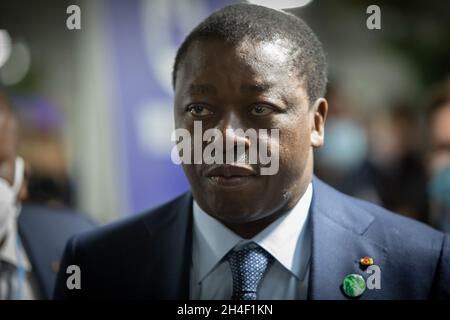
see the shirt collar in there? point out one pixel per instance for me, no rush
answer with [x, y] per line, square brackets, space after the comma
[286, 239]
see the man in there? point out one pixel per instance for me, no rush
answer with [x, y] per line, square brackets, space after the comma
[31, 238]
[246, 235]
[439, 156]
[16, 279]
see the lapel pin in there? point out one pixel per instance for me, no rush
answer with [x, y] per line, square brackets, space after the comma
[366, 261]
[55, 266]
[353, 285]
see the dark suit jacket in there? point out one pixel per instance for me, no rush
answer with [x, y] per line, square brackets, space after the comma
[148, 256]
[44, 232]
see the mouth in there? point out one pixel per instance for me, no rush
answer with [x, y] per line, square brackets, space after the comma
[230, 176]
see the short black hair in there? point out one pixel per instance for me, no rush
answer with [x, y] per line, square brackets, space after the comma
[239, 22]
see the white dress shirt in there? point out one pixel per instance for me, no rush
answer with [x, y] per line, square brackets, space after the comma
[13, 254]
[287, 239]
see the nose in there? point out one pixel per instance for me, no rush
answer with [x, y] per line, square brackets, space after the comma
[236, 143]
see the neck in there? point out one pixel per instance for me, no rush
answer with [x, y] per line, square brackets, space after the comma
[248, 230]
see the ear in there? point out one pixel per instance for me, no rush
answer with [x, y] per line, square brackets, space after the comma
[318, 113]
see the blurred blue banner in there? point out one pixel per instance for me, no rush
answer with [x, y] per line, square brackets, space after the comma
[144, 36]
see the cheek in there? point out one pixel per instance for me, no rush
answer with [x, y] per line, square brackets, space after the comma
[180, 118]
[194, 177]
[295, 146]
[298, 134]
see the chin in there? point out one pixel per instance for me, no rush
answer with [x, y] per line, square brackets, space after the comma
[236, 211]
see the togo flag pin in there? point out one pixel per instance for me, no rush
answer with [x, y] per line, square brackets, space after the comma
[353, 285]
[366, 261]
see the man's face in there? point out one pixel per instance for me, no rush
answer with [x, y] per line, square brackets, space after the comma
[250, 85]
[440, 140]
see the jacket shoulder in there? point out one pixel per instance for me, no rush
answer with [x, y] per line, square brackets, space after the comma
[112, 252]
[411, 247]
[400, 229]
[379, 223]
[129, 228]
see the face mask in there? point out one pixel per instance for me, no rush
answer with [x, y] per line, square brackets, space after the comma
[8, 197]
[440, 186]
[439, 190]
[345, 145]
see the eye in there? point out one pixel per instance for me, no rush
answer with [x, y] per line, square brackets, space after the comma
[261, 110]
[198, 110]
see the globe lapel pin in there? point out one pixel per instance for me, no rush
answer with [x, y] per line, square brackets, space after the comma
[353, 285]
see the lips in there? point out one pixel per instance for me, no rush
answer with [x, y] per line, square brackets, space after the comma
[230, 175]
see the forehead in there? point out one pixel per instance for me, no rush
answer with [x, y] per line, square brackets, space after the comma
[218, 61]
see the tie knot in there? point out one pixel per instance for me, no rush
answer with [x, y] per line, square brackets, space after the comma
[248, 265]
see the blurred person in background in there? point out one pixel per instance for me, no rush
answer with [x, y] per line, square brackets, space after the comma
[17, 280]
[41, 144]
[392, 174]
[375, 156]
[438, 160]
[31, 238]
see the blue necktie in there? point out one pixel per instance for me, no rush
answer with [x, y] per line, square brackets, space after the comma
[248, 266]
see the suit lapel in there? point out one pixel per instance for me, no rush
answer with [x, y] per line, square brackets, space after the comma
[167, 267]
[338, 243]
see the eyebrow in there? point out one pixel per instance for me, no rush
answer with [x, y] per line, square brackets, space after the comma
[201, 89]
[256, 88]
[208, 88]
